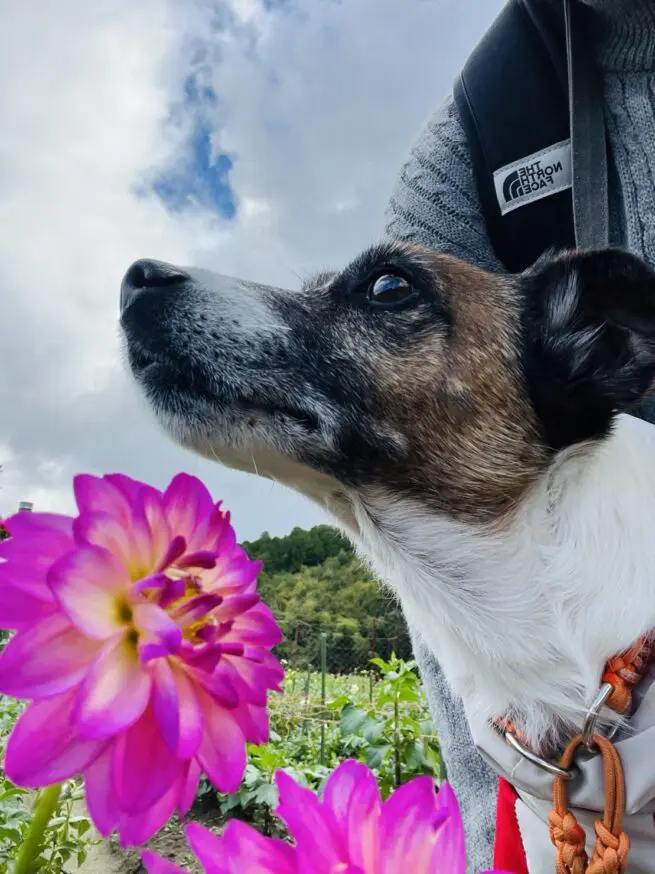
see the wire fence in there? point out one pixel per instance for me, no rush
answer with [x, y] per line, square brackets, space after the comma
[347, 651]
[320, 680]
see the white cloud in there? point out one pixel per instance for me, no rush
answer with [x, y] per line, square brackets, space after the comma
[318, 99]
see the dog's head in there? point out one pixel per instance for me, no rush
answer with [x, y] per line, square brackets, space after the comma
[409, 372]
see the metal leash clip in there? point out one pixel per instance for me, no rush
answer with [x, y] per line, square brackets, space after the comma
[539, 761]
[593, 714]
[588, 731]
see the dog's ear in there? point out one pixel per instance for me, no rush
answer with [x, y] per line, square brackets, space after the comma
[589, 340]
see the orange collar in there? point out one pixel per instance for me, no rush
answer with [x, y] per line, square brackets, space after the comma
[622, 672]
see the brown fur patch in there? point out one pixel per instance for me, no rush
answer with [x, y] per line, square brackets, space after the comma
[461, 401]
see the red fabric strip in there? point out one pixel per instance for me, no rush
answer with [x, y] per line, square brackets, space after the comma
[509, 854]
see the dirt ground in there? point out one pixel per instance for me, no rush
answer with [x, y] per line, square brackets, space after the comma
[108, 858]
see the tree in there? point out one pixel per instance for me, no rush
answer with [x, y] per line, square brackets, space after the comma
[314, 583]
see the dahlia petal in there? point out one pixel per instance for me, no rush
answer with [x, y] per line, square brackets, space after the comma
[101, 800]
[149, 651]
[176, 548]
[135, 829]
[187, 504]
[227, 544]
[235, 605]
[196, 608]
[254, 678]
[450, 849]
[166, 703]
[234, 571]
[257, 627]
[157, 582]
[106, 531]
[156, 865]
[46, 659]
[319, 842]
[135, 530]
[28, 565]
[143, 769]
[409, 827]
[171, 592]
[160, 532]
[148, 548]
[233, 649]
[156, 624]
[245, 851]
[222, 752]
[88, 584]
[204, 659]
[219, 683]
[105, 811]
[130, 488]
[20, 608]
[95, 494]
[191, 718]
[353, 796]
[114, 692]
[177, 710]
[52, 531]
[124, 500]
[209, 849]
[208, 633]
[216, 534]
[254, 723]
[190, 788]
[45, 747]
[200, 559]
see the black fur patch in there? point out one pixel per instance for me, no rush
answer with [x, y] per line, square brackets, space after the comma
[589, 341]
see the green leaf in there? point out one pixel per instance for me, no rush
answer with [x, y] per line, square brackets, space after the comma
[338, 703]
[267, 795]
[375, 756]
[414, 757]
[352, 719]
[81, 824]
[372, 729]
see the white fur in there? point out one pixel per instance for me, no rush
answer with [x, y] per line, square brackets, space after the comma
[523, 621]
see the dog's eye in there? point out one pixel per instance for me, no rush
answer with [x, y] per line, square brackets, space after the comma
[390, 291]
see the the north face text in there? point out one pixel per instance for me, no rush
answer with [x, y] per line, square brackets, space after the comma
[534, 177]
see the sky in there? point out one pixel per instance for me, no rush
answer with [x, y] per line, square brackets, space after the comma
[258, 138]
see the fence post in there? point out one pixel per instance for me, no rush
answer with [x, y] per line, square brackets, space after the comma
[308, 680]
[323, 684]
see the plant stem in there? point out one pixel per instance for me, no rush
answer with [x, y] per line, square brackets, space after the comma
[396, 738]
[31, 846]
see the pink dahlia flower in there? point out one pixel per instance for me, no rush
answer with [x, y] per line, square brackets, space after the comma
[349, 831]
[141, 643]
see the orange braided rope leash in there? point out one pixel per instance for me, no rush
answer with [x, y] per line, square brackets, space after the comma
[612, 847]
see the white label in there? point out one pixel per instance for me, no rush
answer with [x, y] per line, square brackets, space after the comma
[536, 176]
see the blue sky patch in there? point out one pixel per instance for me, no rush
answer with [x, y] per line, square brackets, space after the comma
[196, 178]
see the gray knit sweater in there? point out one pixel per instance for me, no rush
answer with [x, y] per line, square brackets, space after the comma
[435, 202]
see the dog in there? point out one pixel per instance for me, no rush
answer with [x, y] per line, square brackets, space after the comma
[472, 433]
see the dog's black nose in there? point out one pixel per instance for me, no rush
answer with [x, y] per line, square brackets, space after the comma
[145, 274]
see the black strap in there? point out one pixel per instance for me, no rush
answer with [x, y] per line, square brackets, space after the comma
[588, 136]
[513, 101]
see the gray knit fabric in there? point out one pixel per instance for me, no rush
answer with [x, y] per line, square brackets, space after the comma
[435, 202]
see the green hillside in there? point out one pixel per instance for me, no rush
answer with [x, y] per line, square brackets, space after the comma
[314, 583]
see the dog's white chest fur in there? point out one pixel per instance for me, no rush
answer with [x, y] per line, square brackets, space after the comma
[523, 621]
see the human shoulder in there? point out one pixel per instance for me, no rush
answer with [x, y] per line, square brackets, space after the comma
[435, 201]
